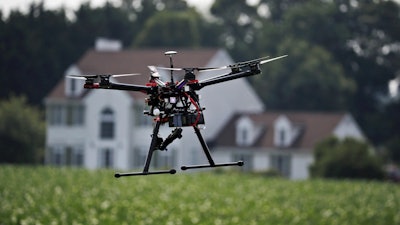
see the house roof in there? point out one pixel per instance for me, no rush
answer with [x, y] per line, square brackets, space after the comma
[314, 126]
[133, 61]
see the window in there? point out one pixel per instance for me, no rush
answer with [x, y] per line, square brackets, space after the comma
[55, 114]
[243, 135]
[107, 158]
[70, 114]
[283, 132]
[107, 124]
[66, 156]
[282, 137]
[245, 132]
[56, 155]
[281, 163]
[75, 115]
[72, 86]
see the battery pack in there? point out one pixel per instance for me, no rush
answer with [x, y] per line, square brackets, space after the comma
[184, 120]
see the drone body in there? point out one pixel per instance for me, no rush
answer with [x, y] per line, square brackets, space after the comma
[175, 103]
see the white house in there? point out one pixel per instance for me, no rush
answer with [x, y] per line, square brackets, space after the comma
[107, 128]
[280, 140]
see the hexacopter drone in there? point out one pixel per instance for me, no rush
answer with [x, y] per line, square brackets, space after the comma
[176, 103]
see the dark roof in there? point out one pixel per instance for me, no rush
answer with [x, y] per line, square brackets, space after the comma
[314, 126]
[134, 61]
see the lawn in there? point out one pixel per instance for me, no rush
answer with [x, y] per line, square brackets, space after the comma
[44, 195]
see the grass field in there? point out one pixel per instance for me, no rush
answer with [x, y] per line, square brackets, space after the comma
[43, 195]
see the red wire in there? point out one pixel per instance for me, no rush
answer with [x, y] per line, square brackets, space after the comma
[197, 108]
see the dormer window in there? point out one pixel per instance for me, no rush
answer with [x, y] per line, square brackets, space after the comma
[282, 132]
[242, 136]
[245, 132]
[282, 137]
[73, 87]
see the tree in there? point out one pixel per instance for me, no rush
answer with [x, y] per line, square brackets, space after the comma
[238, 23]
[171, 29]
[22, 132]
[107, 21]
[347, 158]
[173, 23]
[309, 79]
[35, 52]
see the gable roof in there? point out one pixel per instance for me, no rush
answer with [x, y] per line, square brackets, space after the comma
[314, 126]
[133, 61]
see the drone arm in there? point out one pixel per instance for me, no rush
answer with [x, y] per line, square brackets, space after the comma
[129, 87]
[117, 86]
[228, 77]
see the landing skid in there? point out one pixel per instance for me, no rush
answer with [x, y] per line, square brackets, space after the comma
[155, 144]
[239, 163]
[118, 175]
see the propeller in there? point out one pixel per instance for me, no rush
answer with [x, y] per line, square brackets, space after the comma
[189, 69]
[261, 60]
[247, 63]
[153, 71]
[91, 76]
[273, 59]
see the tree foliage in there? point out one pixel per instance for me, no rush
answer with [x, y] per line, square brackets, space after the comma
[178, 29]
[21, 132]
[348, 158]
[305, 81]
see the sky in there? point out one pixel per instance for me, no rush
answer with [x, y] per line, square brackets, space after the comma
[7, 5]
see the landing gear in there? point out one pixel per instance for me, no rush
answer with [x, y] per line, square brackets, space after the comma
[158, 144]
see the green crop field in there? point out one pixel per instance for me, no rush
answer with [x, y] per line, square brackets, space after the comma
[43, 195]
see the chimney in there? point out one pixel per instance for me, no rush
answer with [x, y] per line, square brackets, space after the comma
[108, 45]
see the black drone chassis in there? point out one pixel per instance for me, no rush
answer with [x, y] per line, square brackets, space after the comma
[253, 71]
[168, 111]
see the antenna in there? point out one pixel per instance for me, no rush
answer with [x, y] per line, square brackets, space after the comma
[169, 54]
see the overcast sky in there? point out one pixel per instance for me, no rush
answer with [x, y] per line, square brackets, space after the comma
[7, 5]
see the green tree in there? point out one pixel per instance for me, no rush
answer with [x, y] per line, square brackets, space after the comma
[173, 23]
[107, 21]
[22, 132]
[347, 158]
[178, 29]
[34, 52]
[309, 79]
[238, 23]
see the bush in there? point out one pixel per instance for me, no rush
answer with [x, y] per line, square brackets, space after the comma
[22, 132]
[347, 158]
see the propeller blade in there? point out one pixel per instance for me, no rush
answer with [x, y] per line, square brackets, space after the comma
[269, 60]
[82, 77]
[92, 76]
[153, 71]
[245, 63]
[241, 64]
[125, 75]
[167, 68]
[238, 64]
[200, 69]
